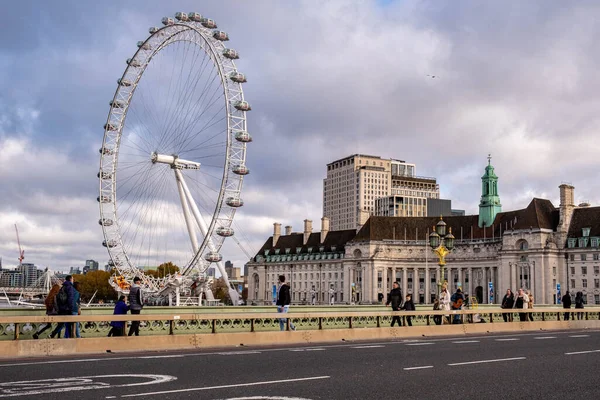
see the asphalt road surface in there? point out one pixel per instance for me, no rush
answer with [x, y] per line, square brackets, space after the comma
[544, 365]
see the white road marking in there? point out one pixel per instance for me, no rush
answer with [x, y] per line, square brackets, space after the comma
[466, 341]
[544, 337]
[367, 347]
[582, 352]
[266, 398]
[168, 356]
[419, 344]
[318, 349]
[238, 353]
[579, 335]
[507, 340]
[110, 397]
[423, 367]
[487, 361]
[236, 385]
[59, 385]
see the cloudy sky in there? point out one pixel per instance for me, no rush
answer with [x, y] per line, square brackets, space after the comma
[326, 79]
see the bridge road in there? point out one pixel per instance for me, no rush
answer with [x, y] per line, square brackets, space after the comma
[544, 365]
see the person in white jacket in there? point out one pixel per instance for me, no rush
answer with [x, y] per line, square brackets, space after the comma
[445, 302]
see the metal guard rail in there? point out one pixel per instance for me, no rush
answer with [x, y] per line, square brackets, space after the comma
[466, 316]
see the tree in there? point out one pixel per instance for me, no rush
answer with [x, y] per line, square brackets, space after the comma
[167, 268]
[95, 282]
[220, 290]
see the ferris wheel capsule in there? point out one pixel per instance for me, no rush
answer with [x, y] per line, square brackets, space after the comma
[106, 151]
[167, 21]
[116, 104]
[234, 202]
[181, 16]
[243, 136]
[242, 105]
[231, 54]
[103, 199]
[144, 45]
[132, 62]
[104, 175]
[241, 169]
[238, 77]
[153, 30]
[124, 82]
[225, 231]
[105, 221]
[111, 243]
[220, 35]
[110, 127]
[208, 23]
[213, 256]
[194, 16]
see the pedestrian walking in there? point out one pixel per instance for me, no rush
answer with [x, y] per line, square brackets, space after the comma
[437, 319]
[530, 295]
[522, 301]
[118, 327]
[566, 302]
[51, 309]
[136, 304]
[579, 304]
[73, 328]
[457, 300]
[408, 306]
[445, 302]
[394, 299]
[64, 302]
[283, 302]
[508, 301]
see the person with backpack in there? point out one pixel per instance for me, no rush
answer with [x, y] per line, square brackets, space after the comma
[135, 305]
[118, 327]
[64, 303]
[566, 302]
[579, 304]
[75, 310]
[51, 309]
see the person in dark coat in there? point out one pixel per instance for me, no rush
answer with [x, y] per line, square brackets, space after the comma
[579, 304]
[395, 299]
[51, 309]
[566, 302]
[436, 307]
[408, 306]
[66, 307]
[118, 327]
[283, 302]
[136, 304]
[457, 300]
[508, 301]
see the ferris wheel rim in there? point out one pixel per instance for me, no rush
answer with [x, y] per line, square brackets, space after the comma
[230, 181]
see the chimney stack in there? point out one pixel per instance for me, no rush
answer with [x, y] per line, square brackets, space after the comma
[567, 205]
[307, 230]
[276, 233]
[324, 228]
[288, 230]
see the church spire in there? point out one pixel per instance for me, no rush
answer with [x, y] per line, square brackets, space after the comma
[489, 205]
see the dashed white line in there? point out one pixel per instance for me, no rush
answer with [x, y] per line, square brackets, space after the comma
[507, 339]
[582, 352]
[235, 385]
[423, 367]
[487, 361]
[367, 347]
[419, 344]
[167, 356]
[544, 337]
[298, 350]
[579, 336]
[238, 353]
[466, 341]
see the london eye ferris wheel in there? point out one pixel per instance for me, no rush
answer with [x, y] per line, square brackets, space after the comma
[173, 156]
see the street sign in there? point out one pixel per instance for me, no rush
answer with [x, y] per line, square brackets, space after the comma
[491, 292]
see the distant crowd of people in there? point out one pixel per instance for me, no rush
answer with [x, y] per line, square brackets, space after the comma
[65, 299]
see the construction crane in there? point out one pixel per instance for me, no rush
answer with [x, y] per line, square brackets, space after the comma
[21, 252]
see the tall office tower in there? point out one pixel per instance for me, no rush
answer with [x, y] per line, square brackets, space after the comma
[355, 183]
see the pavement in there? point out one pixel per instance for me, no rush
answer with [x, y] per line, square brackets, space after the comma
[532, 366]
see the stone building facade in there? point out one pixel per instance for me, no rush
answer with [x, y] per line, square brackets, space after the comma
[534, 248]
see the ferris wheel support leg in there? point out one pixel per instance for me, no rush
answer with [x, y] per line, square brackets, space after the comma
[233, 294]
[186, 212]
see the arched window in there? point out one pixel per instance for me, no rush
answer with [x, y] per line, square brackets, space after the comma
[522, 245]
[357, 253]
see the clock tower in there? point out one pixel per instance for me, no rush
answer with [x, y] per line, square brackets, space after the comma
[489, 205]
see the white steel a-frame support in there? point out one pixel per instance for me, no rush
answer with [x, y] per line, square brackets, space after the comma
[188, 202]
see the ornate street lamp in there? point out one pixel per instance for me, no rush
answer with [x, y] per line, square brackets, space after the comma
[441, 244]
